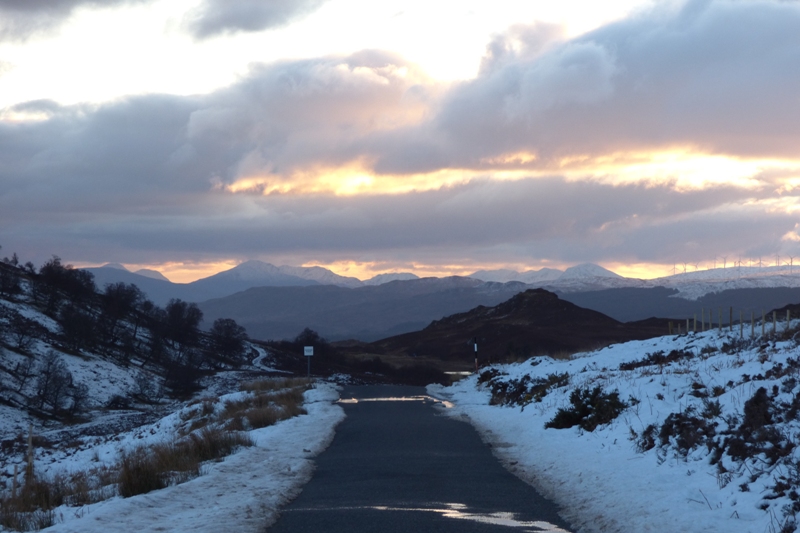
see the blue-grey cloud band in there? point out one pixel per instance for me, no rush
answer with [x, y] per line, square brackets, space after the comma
[216, 17]
[20, 19]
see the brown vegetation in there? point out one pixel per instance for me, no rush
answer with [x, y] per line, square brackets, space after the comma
[213, 433]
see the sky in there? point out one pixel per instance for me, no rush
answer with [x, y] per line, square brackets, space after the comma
[367, 137]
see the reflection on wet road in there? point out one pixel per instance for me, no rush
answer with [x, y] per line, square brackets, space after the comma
[394, 457]
[422, 398]
[459, 511]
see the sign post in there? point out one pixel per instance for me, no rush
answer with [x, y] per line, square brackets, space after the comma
[475, 344]
[308, 352]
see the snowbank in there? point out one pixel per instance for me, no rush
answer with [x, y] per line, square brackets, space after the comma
[241, 493]
[600, 479]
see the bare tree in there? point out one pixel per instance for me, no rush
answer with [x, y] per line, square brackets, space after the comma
[228, 338]
[22, 330]
[52, 382]
[23, 372]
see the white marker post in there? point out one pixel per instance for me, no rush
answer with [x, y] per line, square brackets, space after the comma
[475, 342]
[308, 352]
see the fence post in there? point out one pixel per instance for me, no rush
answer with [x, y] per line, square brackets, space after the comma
[730, 320]
[774, 323]
[741, 325]
[719, 324]
[788, 319]
[703, 317]
[695, 322]
[752, 325]
[670, 327]
[763, 324]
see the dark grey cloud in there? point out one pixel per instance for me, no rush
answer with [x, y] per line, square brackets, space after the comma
[215, 17]
[19, 19]
[514, 222]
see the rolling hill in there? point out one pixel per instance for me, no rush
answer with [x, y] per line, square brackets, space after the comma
[533, 322]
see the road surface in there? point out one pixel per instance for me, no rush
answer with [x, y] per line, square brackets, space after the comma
[398, 465]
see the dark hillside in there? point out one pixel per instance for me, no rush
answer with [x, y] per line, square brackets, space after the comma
[534, 322]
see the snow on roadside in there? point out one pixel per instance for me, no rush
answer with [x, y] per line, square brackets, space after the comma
[599, 478]
[243, 492]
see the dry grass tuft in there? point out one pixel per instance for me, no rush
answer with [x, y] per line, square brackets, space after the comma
[139, 471]
[261, 417]
[31, 508]
[151, 468]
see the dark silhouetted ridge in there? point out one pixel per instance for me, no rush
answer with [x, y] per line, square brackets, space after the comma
[534, 322]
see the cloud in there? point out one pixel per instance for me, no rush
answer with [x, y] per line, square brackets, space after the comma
[252, 170]
[716, 77]
[215, 17]
[302, 118]
[20, 19]
[134, 155]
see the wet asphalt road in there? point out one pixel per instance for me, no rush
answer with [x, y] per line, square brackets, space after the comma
[401, 466]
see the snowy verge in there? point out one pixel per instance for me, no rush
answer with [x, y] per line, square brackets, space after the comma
[599, 479]
[241, 493]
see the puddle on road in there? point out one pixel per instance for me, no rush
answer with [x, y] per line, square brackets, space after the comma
[421, 398]
[459, 511]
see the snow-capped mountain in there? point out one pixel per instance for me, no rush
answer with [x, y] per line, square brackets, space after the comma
[380, 279]
[321, 275]
[579, 278]
[588, 270]
[504, 275]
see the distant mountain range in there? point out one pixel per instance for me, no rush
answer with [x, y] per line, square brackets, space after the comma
[364, 313]
[278, 302]
[239, 278]
[579, 278]
[689, 285]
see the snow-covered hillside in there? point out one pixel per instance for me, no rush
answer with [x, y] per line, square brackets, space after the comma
[105, 395]
[705, 440]
[228, 496]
